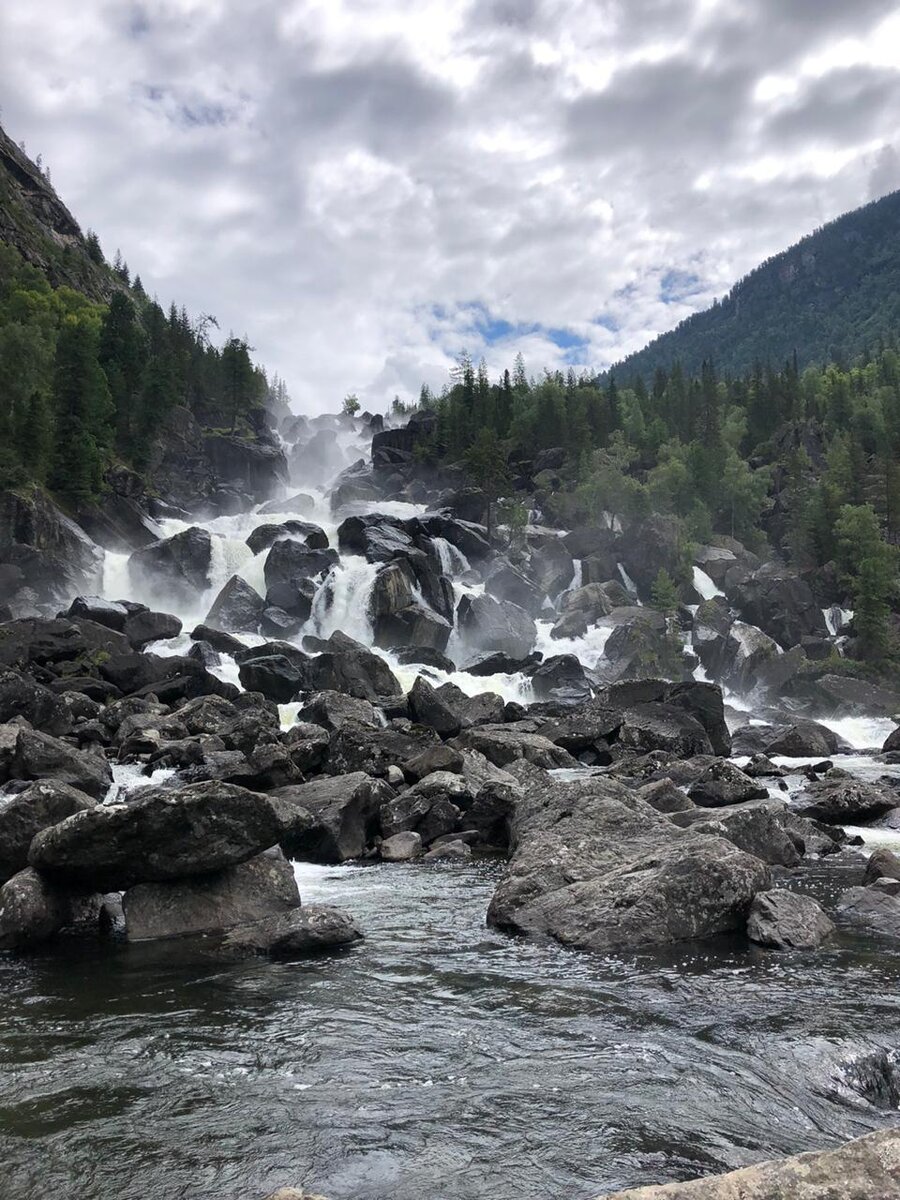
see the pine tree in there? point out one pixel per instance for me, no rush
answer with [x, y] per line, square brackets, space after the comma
[663, 593]
[487, 467]
[84, 415]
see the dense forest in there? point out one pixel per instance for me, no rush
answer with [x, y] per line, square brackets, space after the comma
[806, 464]
[830, 298]
[84, 383]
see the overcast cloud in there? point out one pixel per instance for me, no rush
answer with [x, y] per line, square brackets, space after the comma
[364, 188]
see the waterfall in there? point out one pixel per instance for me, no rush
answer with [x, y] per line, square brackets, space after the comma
[630, 585]
[453, 561]
[704, 586]
[343, 600]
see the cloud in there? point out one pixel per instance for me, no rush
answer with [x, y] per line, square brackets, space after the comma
[364, 188]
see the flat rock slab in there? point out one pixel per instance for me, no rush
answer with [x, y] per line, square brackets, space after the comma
[865, 1169]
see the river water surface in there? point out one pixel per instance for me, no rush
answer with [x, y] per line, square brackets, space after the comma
[435, 1060]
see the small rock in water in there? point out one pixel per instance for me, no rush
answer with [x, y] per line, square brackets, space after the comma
[455, 849]
[401, 847]
[787, 921]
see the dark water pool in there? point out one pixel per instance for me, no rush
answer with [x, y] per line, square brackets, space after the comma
[438, 1060]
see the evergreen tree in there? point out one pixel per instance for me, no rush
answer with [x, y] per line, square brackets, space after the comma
[487, 467]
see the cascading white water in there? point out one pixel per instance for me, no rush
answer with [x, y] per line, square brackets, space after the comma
[342, 601]
[452, 560]
[628, 582]
[704, 586]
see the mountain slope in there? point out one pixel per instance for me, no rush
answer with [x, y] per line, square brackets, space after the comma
[828, 298]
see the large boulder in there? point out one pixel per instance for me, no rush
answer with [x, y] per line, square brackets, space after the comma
[787, 921]
[502, 745]
[171, 678]
[175, 566]
[24, 814]
[261, 887]
[777, 600]
[159, 834]
[653, 545]
[865, 1169]
[551, 567]
[345, 816]
[639, 646]
[278, 670]
[289, 562]
[145, 626]
[504, 582]
[356, 747]
[264, 536]
[238, 608]
[488, 625]
[838, 799]
[803, 739]
[876, 907]
[49, 555]
[33, 908]
[596, 868]
[345, 665]
[21, 697]
[40, 756]
[722, 783]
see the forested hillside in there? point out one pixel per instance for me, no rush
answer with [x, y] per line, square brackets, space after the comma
[831, 297]
[802, 464]
[91, 368]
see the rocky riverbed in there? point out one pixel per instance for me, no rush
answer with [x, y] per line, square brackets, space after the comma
[571, 926]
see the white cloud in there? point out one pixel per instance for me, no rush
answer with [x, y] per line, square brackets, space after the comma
[343, 180]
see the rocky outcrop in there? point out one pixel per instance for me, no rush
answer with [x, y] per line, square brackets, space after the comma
[596, 868]
[44, 556]
[157, 835]
[490, 625]
[176, 565]
[865, 1169]
[24, 814]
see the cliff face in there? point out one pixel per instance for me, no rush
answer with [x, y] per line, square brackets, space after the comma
[35, 221]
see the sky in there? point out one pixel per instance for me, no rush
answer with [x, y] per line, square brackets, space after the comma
[364, 188]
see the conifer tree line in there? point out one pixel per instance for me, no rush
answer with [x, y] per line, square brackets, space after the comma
[806, 464]
[85, 385]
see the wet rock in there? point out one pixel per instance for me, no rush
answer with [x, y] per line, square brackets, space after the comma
[219, 640]
[103, 612]
[177, 565]
[596, 868]
[551, 567]
[639, 646]
[455, 848]
[300, 502]
[762, 830]
[290, 562]
[312, 929]
[146, 626]
[401, 847]
[761, 766]
[264, 536]
[656, 543]
[332, 710]
[876, 1077]
[426, 656]
[665, 797]
[804, 739]
[33, 909]
[560, 674]
[261, 887]
[435, 758]
[241, 723]
[347, 666]
[280, 677]
[40, 756]
[427, 707]
[778, 601]
[345, 812]
[876, 907]
[503, 746]
[863, 1169]
[501, 664]
[750, 658]
[238, 608]
[493, 625]
[24, 814]
[839, 799]
[22, 697]
[722, 783]
[308, 746]
[882, 864]
[160, 834]
[171, 678]
[787, 921]
[293, 596]
[504, 582]
[360, 748]
[663, 726]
